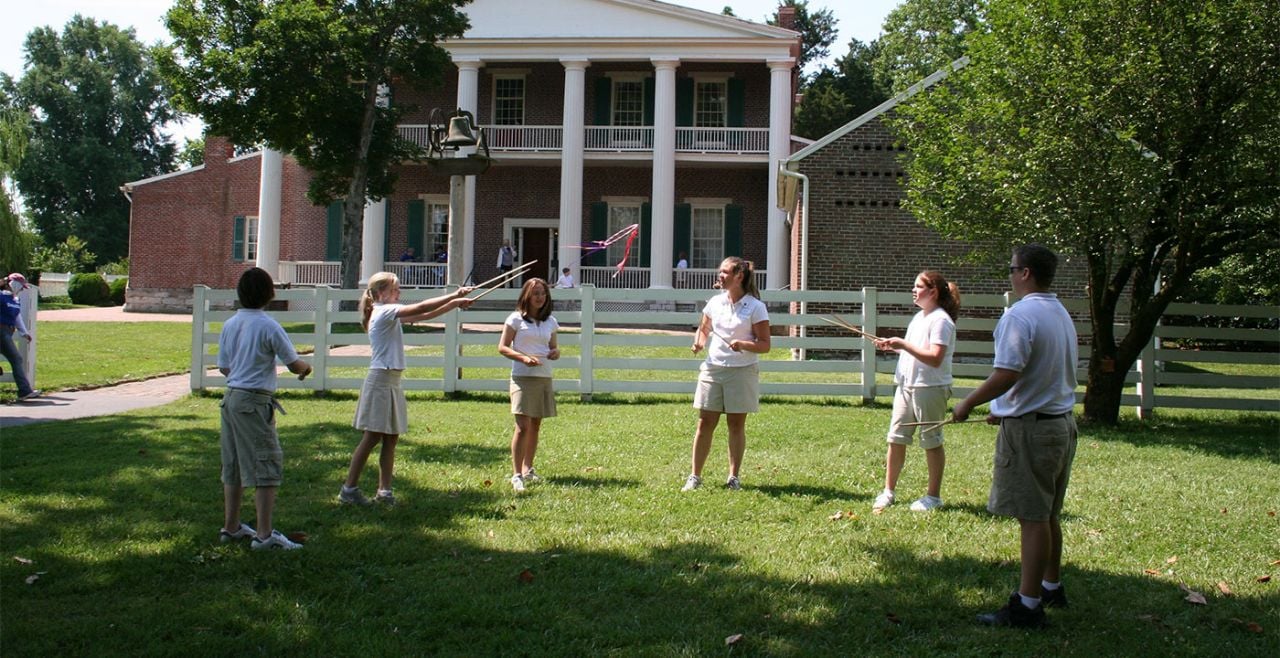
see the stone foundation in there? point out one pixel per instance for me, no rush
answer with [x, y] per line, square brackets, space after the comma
[158, 300]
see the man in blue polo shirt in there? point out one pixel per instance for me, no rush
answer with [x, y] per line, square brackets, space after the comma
[1032, 392]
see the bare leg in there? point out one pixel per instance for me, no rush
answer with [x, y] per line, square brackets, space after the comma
[1036, 548]
[707, 421]
[265, 499]
[531, 444]
[936, 458]
[386, 461]
[1053, 571]
[737, 442]
[360, 457]
[894, 457]
[519, 441]
[231, 496]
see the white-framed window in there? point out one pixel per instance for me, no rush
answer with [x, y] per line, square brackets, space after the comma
[707, 239]
[711, 103]
[622, 215]
[435, 235]
[248, 238]
[628, 102]
[508, 100]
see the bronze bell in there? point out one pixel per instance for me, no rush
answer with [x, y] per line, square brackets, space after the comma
[459, 133]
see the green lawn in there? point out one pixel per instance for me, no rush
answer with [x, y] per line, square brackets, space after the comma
[118, 517]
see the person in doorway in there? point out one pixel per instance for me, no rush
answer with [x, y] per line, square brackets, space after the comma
[382, 413]
[249, 346]
[1032, 393]
[682, 264]
[736, 323]
[923, 380]
[506, 260]
[529, 340]
[11, 323]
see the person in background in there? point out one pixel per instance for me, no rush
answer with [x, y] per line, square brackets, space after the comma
[506, 260]
[409, 256]
[566, 279]
[11, 322]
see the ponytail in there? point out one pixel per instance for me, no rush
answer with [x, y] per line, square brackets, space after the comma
[378, 283]
[948, 292]
[747, 269]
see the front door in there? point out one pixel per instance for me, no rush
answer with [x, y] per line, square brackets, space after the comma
[537, 244]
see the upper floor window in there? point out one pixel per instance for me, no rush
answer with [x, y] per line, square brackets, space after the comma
[710, 104]
[436, 231]
[628, 102]
[244, 242]
[622, 215]
[707, 239]
[508, 100]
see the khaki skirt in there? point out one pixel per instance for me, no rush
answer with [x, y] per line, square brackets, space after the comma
[382, 407]
[533, 397]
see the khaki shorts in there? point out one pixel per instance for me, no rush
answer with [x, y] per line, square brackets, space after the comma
[916, 404]
[382, 407]
[730, 390]
[534, 397]
[1032, 466]
[251, 454]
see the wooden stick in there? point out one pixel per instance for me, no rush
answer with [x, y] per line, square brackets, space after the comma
[511, 275]
[936, 425]
[506, 274]
[845, 325]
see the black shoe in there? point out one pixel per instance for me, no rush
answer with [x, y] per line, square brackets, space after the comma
[1053, 598]
[1015, 614]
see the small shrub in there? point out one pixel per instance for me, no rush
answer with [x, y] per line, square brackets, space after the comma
[116, 267]
[117, 290]
[89, 289]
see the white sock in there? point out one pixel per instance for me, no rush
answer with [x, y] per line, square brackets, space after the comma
[347, 489]
[1030, 602]
[1048, 586]
[384, 492]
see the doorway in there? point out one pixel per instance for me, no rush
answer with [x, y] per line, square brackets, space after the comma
[535, 240]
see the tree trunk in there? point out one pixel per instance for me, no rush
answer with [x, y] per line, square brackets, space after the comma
[1103, 391]
[357, 194]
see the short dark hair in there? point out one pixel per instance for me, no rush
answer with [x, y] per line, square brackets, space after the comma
[1040, 260]
[256, 289]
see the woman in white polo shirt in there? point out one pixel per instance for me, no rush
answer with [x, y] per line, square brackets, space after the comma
[734, 329]
[923, 377]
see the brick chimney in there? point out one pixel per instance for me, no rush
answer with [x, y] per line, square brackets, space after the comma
[787, 17]
[217, 150]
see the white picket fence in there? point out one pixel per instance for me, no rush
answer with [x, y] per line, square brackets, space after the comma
[597, 310]
[30, 304]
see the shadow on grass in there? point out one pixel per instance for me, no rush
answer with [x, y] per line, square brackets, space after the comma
[821, 494]
[1234, 435]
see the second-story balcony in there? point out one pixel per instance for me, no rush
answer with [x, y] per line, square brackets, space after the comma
[613, 139]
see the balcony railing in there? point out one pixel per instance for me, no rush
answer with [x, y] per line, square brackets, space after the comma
[638, 277]
[612, 138]
[329, 273]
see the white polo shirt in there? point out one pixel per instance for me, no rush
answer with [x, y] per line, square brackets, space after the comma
[733, 321]
[386, 337]
[925, 330]
[248, 347]
[534, 339]
[1037, 339]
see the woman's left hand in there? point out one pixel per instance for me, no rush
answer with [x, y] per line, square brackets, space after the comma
[737, 345]
[554, 353]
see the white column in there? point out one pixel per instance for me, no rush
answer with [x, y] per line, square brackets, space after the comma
[375, 226]
[780, 95]
[468, 99]
[269, 193]
[575, 73]
[663, 200]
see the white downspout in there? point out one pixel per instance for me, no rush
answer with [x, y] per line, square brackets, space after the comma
[804, 244]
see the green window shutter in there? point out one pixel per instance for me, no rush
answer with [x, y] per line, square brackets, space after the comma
[604, 102]
[646, 235]
[386, 232]
[333, 232]
[237, 239]
[737, 102]
[649, 100]
[684, 101]
[599, 231]
[684, 232]
[733, 231]
[417, 221]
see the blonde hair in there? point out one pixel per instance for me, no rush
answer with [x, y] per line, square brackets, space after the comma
[379, 284]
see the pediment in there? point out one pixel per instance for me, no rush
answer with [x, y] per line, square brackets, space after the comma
[606, 19]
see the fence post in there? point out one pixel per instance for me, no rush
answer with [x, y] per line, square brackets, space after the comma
[586, 342]
[452, 348]
[320, 356]
[869, 325]
[197, 337]
[1147, 380]
[30, 307]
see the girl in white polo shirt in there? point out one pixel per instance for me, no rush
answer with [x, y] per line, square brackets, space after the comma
[382, 413]
[529, 340]
[923, 378]
[734, 329]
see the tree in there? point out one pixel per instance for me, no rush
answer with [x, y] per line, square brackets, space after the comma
[840, 94]
[1141, 136]
[817, 31]
[96, 107]
[192, 153]
[922, 36]
[15, 126]
[309, 78]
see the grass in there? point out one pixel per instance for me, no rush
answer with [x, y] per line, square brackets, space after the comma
[119, 515]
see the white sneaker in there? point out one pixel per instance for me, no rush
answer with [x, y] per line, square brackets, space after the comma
[692, 483]
[517, 483]
[926, 504]
[732, 483]
[276, 540]
[884, 500]
[530, 476]
[244, 532]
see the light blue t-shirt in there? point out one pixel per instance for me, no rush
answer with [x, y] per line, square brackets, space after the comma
[386, 337]
[250, 344]
[1037, 338]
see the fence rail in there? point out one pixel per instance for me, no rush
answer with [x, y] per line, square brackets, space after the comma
[848, 366]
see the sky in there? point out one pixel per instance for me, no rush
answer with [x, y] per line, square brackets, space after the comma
[860, 19]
